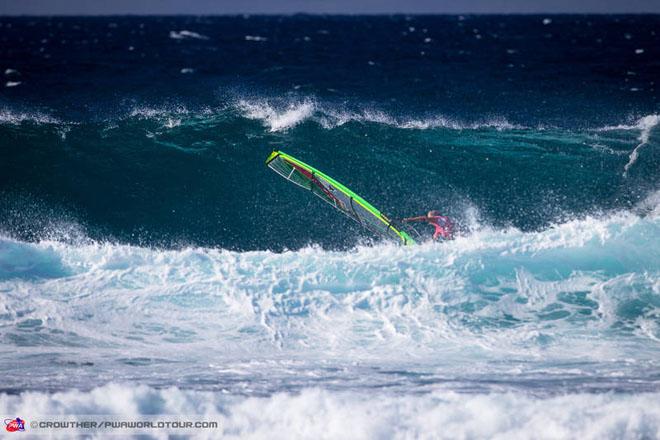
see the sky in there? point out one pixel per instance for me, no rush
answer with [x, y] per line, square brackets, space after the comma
[212, 7]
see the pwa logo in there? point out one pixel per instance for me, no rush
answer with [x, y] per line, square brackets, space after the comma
[13, 425]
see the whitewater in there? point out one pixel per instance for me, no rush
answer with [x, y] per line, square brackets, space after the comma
[478, 337]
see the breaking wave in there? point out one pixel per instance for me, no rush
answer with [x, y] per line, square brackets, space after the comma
[502, 290]
[281, 115]
[316, 413]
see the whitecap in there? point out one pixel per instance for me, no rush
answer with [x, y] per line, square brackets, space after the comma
[281, 115]
[184, 34]
[12, 83]
[330, 118]
[277, 118]
[255, 38]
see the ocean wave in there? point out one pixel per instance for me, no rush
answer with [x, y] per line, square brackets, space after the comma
[281, 115]
[332, 118]
[317, 413]
[494, 290]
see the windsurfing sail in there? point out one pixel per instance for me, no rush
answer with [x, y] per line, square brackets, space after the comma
[337, 195]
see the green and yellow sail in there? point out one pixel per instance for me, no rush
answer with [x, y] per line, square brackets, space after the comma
[337, 195]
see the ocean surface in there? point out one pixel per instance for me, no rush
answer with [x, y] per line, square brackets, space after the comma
[150, 263]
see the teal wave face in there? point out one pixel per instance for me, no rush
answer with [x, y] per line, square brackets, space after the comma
[153, 130]
[171, 176]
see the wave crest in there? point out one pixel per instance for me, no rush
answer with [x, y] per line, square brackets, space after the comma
[281, 115]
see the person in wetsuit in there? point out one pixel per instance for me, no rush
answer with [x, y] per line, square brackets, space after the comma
[443, 225]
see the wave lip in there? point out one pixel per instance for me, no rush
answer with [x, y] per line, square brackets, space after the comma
[282, 115]
[277, 118]
[332, 118]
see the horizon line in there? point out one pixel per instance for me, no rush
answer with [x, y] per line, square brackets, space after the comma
[323, 14]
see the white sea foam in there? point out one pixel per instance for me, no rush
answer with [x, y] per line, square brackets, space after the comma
[280, 115]
[185, 34]
[640, 124]
[8, 116]
[338, 303]
[255, 38]
[323, 414]
[277, 118]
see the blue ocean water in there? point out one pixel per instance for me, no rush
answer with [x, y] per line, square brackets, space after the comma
[147, 253]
